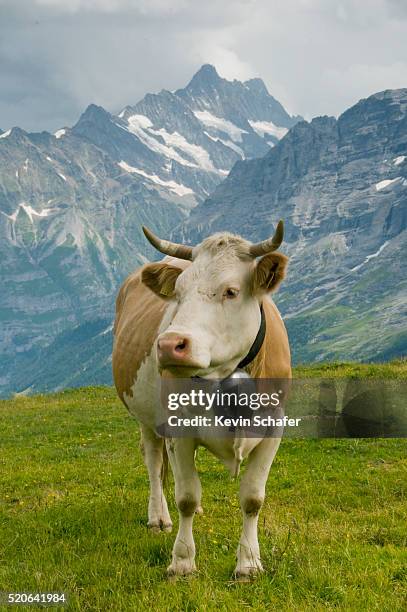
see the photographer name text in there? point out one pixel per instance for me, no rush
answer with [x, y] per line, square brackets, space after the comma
[239, 421]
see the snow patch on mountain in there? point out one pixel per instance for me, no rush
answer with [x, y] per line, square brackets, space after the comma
[31, 212]
[142, 127]
[177, 188]
[139, 121]
[5, 134]
[267, 127]
[386, 183]
[227, 143]
[369, 257]
[233, 146]
[198, 153]
[220, 124]
[60, 133]
[399, 160]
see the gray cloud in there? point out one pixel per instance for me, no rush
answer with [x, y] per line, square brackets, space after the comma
[316, 56]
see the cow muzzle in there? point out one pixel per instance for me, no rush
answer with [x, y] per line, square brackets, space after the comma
[176, 349]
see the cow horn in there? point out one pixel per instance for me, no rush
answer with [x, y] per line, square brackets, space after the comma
[181, 251]
[269, 245]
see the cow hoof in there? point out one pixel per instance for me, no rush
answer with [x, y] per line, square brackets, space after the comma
[158, 526]
[244, 577]
[247, 574]
[199, 510]
[181, 567]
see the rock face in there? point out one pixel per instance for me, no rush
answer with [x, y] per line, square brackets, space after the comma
[72, 205]
[341, 187]
[70, 230]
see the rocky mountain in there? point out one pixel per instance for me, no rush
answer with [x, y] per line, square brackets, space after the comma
[341, 187]
[70, 230]
[72, 203]
[193, 135]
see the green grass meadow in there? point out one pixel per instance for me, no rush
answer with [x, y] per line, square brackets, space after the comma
[73, 515]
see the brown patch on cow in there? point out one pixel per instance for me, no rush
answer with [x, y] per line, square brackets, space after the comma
[273, 360]
[138, 316]
[139, 312]
[160, 278]
[269, 272]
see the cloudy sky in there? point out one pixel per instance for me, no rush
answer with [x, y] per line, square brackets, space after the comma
[315, 56]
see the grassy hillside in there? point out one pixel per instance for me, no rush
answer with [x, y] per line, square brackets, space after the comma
[73, 500]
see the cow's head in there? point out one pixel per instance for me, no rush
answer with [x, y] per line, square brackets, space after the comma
[214, 312]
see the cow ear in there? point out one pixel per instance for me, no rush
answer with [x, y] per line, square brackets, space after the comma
[160, 278]
[269, 272]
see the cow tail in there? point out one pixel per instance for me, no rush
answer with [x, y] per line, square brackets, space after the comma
[164, 467]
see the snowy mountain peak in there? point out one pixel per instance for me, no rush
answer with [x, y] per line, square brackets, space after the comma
[14, 133]
[191, 137]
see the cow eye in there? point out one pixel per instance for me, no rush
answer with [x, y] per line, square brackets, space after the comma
[231, 293]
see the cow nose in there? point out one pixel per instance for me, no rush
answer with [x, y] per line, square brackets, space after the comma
[173, 348]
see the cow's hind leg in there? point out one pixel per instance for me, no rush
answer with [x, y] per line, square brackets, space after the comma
[252, 491]
[181, 452]
[153, 449]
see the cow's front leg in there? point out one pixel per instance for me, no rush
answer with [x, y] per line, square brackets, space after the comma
[181, 452]
[153, 448]
[252, 490]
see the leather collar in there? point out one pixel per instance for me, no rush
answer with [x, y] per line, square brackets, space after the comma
[257, 344]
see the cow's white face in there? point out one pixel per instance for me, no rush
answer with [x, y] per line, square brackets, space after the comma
[214, 314]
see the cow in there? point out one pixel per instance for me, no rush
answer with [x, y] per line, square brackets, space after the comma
[197, 313]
